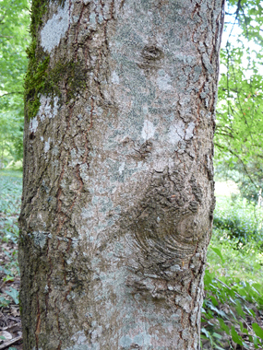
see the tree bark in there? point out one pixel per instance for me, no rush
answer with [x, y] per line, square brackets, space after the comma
[118, 178]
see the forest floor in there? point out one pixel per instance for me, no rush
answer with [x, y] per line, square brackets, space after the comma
[10, 322]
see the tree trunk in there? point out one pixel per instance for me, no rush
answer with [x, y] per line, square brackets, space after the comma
[118, 176]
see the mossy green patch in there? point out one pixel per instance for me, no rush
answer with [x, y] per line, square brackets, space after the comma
[38, 9]
[34, 80]
[36, 67]
[62, 80]
[71, 75]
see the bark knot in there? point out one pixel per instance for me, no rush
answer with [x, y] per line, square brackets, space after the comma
[152, 53]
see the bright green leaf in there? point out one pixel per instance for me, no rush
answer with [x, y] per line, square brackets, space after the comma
[236, 338]
[258, 330]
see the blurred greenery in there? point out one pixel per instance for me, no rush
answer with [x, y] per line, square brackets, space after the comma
[14, 38]
[238, 220]
[10, 201]
[239, 127]
[233, 304]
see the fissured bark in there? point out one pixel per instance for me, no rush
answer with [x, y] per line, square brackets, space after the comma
[118, 176]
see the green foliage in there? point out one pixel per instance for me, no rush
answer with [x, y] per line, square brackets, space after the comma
[227, 312]
[14, 294]
[3, 301]
[248, 15]
[10, 200]
[10, 193]
[239, 113]
[233, 301]
[239, 221]
[239, 128]
[14, 38]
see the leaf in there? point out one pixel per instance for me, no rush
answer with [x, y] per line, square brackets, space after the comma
[218, 252]
[216, 335]
[13, 293]
[208, 279]
[223, 326]
[8, 279]
[214, 301]
[251, 312]
[4, 302]
[236, 338]
[215, 309]
[258, 330]
[255, 340]
[218, 347]
[240, 309]
[242, 328]
[206, 333]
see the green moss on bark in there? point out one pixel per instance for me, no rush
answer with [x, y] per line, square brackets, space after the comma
[69, 78]
[34, 80]
[37, 66]
[38, 9]
[64, 80]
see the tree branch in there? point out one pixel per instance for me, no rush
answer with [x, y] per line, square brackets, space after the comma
[241, 162]
[12, 93]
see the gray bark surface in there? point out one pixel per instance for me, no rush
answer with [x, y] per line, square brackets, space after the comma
[118, 177]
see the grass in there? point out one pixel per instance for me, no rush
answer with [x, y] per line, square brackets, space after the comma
[11, 173]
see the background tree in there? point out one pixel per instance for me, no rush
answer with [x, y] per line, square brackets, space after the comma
[14, 20]
[118, 176]
[239, 127]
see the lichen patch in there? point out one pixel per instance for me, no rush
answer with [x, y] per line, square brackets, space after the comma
[179, 132]
[148, 130]
[33, 125]
[163, 83]
[47, 145]
[47, 109]
[55, 28]
[189, 131]
[115, 78]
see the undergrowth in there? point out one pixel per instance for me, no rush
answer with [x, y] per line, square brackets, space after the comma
[233, 304]
[10, 201]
